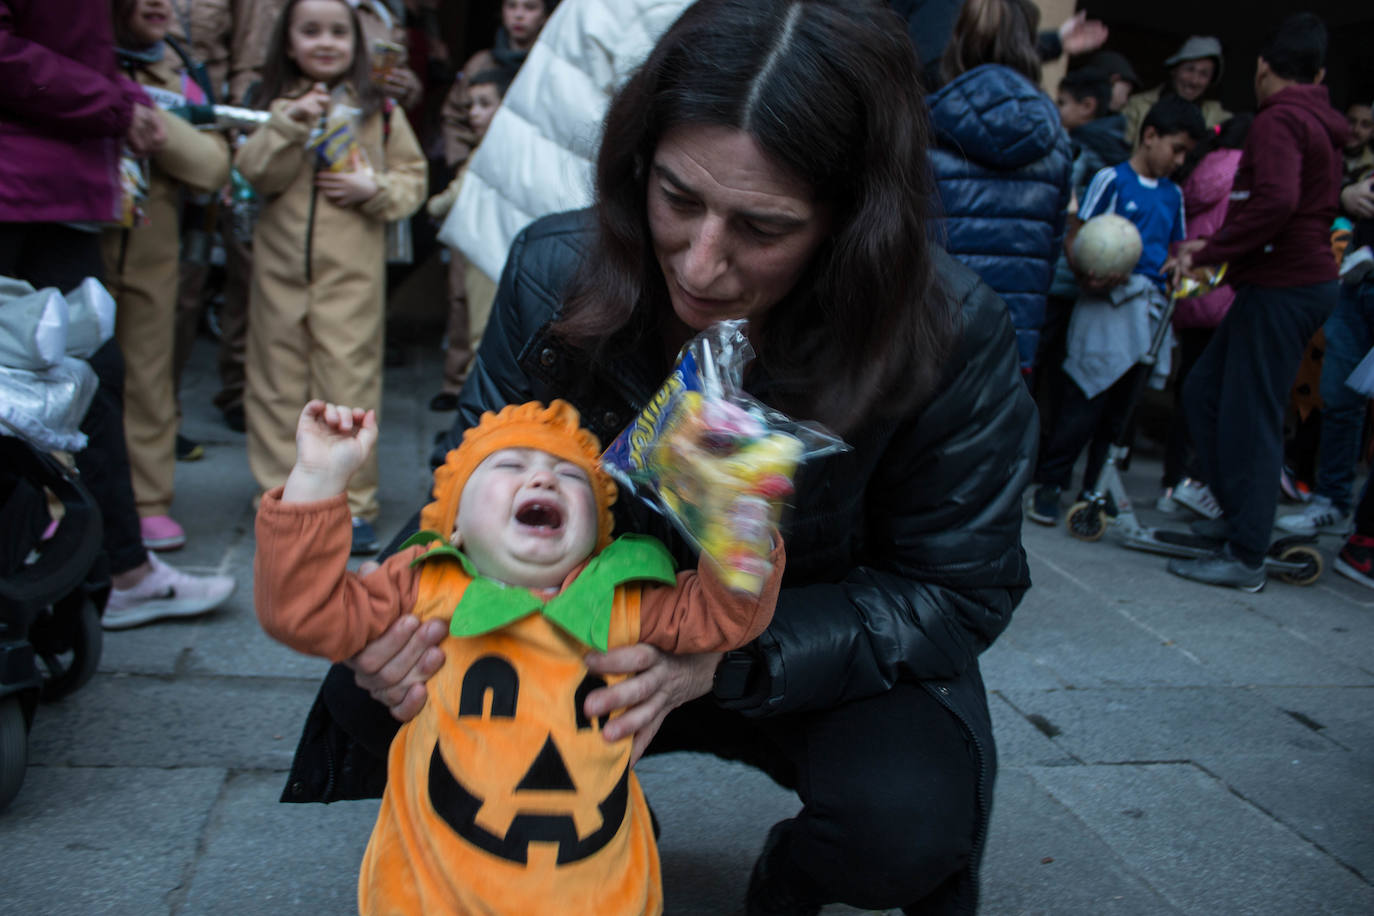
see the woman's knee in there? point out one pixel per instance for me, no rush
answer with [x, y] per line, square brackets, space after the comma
[892, 848]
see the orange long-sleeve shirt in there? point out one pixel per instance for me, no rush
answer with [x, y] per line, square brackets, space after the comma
[306, 597]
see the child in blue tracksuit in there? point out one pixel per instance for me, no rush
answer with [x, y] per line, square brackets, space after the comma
[1115, 316]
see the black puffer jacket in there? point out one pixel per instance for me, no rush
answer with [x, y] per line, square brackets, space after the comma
[904, 557]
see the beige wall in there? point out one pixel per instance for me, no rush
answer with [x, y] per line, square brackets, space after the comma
[1052, 13]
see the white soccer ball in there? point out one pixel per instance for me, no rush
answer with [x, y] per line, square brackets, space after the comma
[1106, 244]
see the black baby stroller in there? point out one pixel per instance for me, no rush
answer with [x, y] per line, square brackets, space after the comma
[52, 593]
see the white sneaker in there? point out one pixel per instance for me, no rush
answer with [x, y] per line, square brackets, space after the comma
[1357, 265]
[1166, 502]
[1318, 515]
[164, 592]
[1198, 497]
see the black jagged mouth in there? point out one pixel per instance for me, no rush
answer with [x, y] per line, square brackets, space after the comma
[540, 515]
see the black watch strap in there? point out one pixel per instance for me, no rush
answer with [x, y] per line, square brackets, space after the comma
[734, 675]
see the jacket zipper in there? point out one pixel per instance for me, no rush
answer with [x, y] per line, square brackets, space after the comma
[310, 232]
[941, 694]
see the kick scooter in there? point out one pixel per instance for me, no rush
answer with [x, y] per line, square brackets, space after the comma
[1293, 559]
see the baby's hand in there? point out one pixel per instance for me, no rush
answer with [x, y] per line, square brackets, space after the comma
[332, 441]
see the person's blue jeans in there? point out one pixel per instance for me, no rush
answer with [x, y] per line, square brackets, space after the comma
[1349, 335]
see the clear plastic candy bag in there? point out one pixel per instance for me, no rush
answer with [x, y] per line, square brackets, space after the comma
[715, 460]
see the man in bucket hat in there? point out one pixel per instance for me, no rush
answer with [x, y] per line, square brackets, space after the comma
[1194, 69]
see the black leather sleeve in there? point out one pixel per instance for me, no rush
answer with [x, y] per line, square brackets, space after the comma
[944, 512]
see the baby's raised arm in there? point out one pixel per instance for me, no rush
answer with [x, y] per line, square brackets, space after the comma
[332, 441]
[303, 592]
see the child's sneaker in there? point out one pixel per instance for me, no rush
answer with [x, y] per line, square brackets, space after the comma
[1166, 502]
[164, 592]
[1044, 507]
[161, 532]
[1318, 515]
[1197, 496]
[1356, 560]
[1357, 265]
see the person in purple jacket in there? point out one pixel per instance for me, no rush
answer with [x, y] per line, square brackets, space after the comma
[66, 113]
[1275, 238]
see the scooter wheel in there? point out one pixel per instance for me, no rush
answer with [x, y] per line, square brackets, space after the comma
[14, 749]
[1311, 560]
[1086, 522]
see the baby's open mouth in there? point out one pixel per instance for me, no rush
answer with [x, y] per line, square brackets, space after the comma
[540, 515]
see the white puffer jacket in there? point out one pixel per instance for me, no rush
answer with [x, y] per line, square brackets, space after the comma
[539, 152]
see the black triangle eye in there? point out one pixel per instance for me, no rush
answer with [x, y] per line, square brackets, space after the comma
[589, 683]
[490, 674]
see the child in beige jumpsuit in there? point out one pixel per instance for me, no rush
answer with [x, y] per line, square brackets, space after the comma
[316, 305]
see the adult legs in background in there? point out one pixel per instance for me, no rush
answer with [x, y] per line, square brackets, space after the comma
[1349, 335]
[144, 588]
[458, 356]
[233, 322]
[47, 254]
[1236, 396]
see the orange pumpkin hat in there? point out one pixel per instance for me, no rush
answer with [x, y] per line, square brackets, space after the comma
[556, 429]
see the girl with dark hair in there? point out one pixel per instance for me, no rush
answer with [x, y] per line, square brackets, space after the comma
[1002, 160]
[767, 161]
[316, 304]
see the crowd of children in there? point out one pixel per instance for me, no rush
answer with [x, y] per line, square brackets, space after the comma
[1257, 192]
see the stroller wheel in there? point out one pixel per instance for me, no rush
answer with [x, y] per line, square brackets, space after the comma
[1086, 521]
[68, 660]
[14, 749]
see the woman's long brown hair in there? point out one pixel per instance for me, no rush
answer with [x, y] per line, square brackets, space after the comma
[829, 90]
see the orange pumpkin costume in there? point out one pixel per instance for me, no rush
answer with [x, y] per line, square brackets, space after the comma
[501, 797]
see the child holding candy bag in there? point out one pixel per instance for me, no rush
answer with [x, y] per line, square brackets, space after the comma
[332, 165]
[538, 583]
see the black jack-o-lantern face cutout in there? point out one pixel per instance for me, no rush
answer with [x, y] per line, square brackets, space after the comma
[545, 805]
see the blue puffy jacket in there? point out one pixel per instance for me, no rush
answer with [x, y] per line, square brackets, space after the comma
[1002, 162]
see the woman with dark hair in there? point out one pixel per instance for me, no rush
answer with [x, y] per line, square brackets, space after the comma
[768, 161]
[1002, 160]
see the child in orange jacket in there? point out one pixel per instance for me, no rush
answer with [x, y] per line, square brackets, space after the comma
[501, 794]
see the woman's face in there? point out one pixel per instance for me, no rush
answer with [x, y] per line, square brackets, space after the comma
[732, 231]
[1192, 77]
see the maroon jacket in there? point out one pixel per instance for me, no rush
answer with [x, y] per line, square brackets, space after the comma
[64, 111]
[1277, 230]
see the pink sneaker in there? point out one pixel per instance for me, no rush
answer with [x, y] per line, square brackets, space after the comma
[161, 532]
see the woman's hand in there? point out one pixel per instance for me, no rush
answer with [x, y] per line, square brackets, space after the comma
[310, 107]
[658, 684]
[394, 667]
[332, 441]
[344, 189]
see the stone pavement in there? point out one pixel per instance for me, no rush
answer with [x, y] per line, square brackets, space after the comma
[1166, 748]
